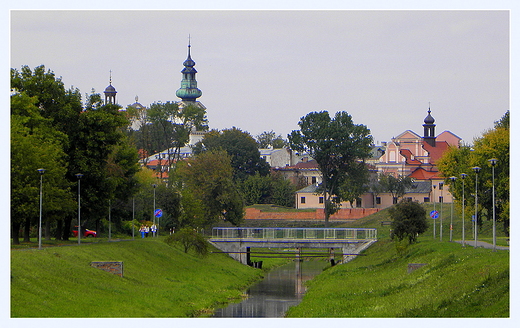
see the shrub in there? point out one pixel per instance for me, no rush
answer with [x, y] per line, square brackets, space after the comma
[188, 238]
[408, 220]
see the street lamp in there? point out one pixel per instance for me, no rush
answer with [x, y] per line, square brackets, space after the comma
[493, 162]
[41, 171]
[441, 200]
[463, 176]
[79, 176]
[477, 170]
[451, 217]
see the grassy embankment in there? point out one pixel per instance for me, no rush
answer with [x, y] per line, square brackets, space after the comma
[455, 282]
[159, 281]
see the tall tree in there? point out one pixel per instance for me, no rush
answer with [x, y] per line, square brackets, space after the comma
[395, 185]
[337, 145]
[270, 139]
[209, 193]
[241, 147]
[493, 144]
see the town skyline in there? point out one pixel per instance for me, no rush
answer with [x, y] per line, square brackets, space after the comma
[264, 70]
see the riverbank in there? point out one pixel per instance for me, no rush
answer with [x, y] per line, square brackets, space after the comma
[158, 281]
[427, 280]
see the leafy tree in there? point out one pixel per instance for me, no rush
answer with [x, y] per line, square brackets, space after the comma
[241, 147]
[395, 185]
[35, 144]
[493, 144]
[337, 145]
[408, 220]
[270, 139]
[270, 189]
[166, 126]
[209, 193]
[188, 238]
[355, 184]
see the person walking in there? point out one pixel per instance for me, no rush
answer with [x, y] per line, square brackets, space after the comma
[142, 230]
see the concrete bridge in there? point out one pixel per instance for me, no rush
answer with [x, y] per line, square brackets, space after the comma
[237, 242]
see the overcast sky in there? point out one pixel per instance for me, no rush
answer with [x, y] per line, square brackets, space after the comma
[264, 70]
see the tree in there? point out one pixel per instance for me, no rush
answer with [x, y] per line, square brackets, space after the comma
[188, 238]
[242, 149]
[209, 193]
[395, 185]
[493, 144]
[408, 220]
[337, 145]
[269, 189]
[35, 144]
[270, 139]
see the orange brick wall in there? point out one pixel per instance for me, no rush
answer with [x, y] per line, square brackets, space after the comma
[342, 214]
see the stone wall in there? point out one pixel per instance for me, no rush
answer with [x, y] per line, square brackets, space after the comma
[114, 267]
[345, 214]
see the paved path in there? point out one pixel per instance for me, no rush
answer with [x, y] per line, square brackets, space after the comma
[484, 244]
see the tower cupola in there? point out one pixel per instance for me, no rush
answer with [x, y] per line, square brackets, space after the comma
[189, 90]
[429, 129]
[110, 93]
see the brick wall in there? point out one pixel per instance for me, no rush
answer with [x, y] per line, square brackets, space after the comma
[319, 214]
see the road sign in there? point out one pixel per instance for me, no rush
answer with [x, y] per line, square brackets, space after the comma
[158, 213]
[434, 214]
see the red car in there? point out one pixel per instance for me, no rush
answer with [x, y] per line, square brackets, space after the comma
[86, 233]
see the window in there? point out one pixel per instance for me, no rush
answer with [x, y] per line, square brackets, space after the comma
[395, 200]
[441, 199]
[321, 200]
[358, 202]
[378, 200]
[314, 180]
[302, 200]
[426, 199]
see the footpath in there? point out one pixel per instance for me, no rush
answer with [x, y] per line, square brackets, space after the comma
[471, 243]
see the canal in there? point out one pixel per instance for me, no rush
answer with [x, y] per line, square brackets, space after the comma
[282, 288]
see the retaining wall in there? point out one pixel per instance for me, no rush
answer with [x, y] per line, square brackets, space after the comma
[344, 214]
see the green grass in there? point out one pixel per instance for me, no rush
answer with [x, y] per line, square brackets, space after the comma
[457, 281]
[159, 281]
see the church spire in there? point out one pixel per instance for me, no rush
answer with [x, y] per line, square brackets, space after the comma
[110, 92]
[429, 128]
[189, 90]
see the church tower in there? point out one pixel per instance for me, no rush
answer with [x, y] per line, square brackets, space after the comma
[110, 93]
[429, 129]
[189, 91]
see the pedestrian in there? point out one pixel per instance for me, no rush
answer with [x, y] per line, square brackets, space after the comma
[142, 230]
[146, 230]
[154, 229]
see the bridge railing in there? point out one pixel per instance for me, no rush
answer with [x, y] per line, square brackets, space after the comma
[295, 233]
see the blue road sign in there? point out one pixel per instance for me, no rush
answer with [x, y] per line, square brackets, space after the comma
[158, 213]
[434, 214]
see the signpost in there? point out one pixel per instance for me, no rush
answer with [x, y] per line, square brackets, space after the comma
[434, 215]
[157, 213]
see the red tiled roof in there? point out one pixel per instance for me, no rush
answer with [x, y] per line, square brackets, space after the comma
[437, 151]
[422, 174]
[407, 153]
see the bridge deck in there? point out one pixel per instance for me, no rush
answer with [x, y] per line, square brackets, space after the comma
[294, 234]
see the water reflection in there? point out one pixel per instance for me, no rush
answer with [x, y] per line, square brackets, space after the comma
[282, 288]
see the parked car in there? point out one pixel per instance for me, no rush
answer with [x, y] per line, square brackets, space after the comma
[86, 233]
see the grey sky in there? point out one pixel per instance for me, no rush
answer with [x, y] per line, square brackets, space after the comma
[263, 70]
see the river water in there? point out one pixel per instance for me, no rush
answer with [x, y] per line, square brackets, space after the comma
[282, 288]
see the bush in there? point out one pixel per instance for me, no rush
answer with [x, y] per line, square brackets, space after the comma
[189, 238]
[408, 220]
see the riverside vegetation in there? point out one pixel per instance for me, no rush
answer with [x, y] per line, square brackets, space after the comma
[163, 281]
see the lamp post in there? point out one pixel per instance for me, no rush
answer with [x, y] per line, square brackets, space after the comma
[477, 170]
[133, 216]
[41, 171]
[441, 200]
[463, 176]
[79, 176]
[451, 217]
[493, 162]
[153, 212]
[109, 219]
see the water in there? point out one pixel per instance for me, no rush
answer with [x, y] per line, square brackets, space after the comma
[282, 288]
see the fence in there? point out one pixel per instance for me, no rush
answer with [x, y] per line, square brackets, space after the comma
[295, 233]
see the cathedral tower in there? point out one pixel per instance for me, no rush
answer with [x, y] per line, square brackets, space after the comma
[429, 129]
[110, 93]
